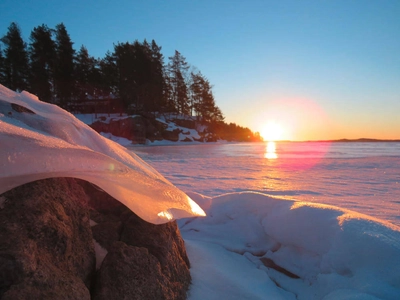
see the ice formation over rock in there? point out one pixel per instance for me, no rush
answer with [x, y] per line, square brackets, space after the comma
[40, 140]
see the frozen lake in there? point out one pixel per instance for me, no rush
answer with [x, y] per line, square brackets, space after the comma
[364, 177]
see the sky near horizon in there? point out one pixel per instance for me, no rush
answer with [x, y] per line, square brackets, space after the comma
[316, 69]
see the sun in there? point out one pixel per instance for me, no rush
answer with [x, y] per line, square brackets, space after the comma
[272, 131]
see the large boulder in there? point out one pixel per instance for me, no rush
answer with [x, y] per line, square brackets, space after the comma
[50, 229]
[46, 246]
[159, 266]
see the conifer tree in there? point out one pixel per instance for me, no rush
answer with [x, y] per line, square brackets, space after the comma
[177, 69]
[42, 56]
[203, 99]
[126, 85]
[142, 65]
[15, 61]
[87, 75]
[140, 75]
[158, 99]
[2, 69]
[64, 66]
[109, 73]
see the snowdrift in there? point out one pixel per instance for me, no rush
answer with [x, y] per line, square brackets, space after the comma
[334, 253]
[39, 140]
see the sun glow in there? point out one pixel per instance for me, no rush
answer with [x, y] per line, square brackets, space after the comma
[272, 132]
[270, 152]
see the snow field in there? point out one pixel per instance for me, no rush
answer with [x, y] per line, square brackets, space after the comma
[335, 252]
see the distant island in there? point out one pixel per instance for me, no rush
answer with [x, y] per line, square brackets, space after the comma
[360, 140]
[132, 80]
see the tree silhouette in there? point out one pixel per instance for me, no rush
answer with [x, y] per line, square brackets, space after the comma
[15, 62]
[2, 68]
[203, 99]
[64, 66]
[176, 70]
[87, 75]
[133, 78]
[41, 59]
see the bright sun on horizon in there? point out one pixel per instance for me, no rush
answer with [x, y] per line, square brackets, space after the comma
[272, 131]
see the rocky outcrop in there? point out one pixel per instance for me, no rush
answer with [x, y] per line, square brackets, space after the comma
[132, 128]
[49, 231]
[139, 128]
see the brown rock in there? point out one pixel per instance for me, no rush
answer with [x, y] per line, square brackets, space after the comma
[131, 273]
[171, 135]
[46, 248]
[47, 251]
[163, 244]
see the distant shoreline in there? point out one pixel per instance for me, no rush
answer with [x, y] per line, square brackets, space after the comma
[361, 140]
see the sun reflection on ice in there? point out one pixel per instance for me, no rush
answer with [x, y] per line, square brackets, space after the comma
[270, 152]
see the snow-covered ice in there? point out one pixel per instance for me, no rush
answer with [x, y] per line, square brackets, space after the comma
[335, 252]
[40, 140]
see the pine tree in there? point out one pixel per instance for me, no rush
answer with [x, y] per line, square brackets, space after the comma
[195, 90]
[108, 74]
[87, 75]
[42, 55]
[15, 61]
[2, 69]
[142, 66]
[108, 81]
[203, 99]
[177, 69]
[140, 77]
[126, 86]
[158, 85]
[64, 66]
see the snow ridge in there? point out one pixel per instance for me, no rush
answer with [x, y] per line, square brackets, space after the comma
[336, 253]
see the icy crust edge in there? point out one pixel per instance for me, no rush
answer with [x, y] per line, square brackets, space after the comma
[46, 141]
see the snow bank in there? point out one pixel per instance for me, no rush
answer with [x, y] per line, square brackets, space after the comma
[40, 140]
[336, 253]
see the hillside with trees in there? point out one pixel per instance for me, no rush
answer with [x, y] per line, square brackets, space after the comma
[134, 78]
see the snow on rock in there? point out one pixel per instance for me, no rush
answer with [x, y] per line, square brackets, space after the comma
[100, 253]
[337, 253]
[40, 140]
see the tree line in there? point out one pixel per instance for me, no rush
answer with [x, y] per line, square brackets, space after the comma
[133, 76]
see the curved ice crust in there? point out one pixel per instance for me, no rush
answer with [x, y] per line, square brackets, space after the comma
[53, 143]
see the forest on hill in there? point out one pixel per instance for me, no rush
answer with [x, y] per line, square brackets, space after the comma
[133, 78]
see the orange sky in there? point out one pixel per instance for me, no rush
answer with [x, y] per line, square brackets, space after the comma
[302, 119]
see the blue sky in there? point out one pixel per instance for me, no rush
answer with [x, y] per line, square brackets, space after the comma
[319, 69]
